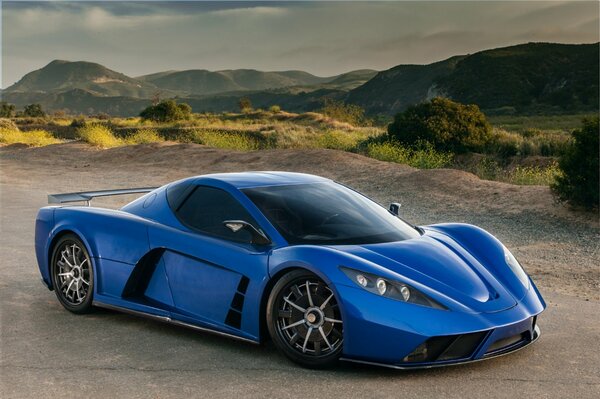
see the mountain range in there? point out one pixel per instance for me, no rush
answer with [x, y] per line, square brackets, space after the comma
[527, 78]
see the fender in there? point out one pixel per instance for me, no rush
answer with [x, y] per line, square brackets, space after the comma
[486, 248]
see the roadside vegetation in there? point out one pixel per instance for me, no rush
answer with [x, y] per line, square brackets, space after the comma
[528, 150]
[11, 134]
[99, 135]
[578, 182]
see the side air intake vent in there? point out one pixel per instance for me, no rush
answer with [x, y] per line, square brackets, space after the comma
[234, 316]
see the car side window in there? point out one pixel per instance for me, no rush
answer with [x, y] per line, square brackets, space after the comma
[206, 208]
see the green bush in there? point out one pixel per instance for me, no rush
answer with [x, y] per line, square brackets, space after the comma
[6, 110]
[167, 111]
[245, 105]
[275, 109]
[579, 164]
[34, 111]
[448, 125]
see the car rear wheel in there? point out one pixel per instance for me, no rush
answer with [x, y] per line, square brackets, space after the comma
[72, 274]
[304, 320]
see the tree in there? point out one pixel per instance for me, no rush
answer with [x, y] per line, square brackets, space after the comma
[167, 111]
[245, 104]
[448, 125]
[6, 110]
[34, 111]
[338, 110]
[578, 183]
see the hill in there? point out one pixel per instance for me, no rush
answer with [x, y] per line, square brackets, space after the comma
[528, 78]
[533, 78]
[204, 82]
[60, 76]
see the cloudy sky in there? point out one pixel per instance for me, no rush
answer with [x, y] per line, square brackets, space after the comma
[323, 38]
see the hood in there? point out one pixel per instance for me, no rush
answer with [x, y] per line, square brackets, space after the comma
[440, 263]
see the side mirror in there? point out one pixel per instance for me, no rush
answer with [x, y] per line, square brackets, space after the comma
[395, 208]
[258, 237]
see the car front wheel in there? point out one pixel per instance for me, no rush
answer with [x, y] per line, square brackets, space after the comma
[304, 320]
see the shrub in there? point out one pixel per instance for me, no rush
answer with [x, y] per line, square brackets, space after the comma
[422, 156]
[349, 113]
[245, 104]
[578, 183]
[448, 125]
[6, 110]
[98, 135]
[34, 111]
[80, 121]
[167, 111]
[36, 138]
[275, 109]
[103, 116]
[144, 136]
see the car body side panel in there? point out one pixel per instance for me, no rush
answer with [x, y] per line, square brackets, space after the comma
[114, 239]
[44, 224]
[200, 289]
[213, 281]
[158, 289]
[111, 276]
[111, 234]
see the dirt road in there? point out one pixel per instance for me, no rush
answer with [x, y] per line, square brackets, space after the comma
[48, 352]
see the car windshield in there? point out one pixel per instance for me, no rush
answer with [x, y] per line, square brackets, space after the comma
[328, 214]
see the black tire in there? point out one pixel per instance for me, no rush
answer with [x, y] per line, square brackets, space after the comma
[72, 274]
[305, 333]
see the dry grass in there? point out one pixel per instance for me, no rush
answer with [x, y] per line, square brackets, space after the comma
[102, 136]
[35, 138]
[143, 136]
[423, 156]
[490, 169]
[529, 142]
[98, 136]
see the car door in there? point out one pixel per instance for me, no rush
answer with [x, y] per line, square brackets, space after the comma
[213, 273]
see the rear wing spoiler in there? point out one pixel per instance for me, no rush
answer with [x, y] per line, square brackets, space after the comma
[87, 196]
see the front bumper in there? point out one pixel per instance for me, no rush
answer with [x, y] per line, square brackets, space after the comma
[395, 334]
[490, 354]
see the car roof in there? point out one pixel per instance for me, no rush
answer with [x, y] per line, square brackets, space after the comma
[243, 180]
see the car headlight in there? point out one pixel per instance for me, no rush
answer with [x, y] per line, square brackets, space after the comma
[516, 267]
[390, 289]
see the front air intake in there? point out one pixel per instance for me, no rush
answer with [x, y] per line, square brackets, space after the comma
[448, 347]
